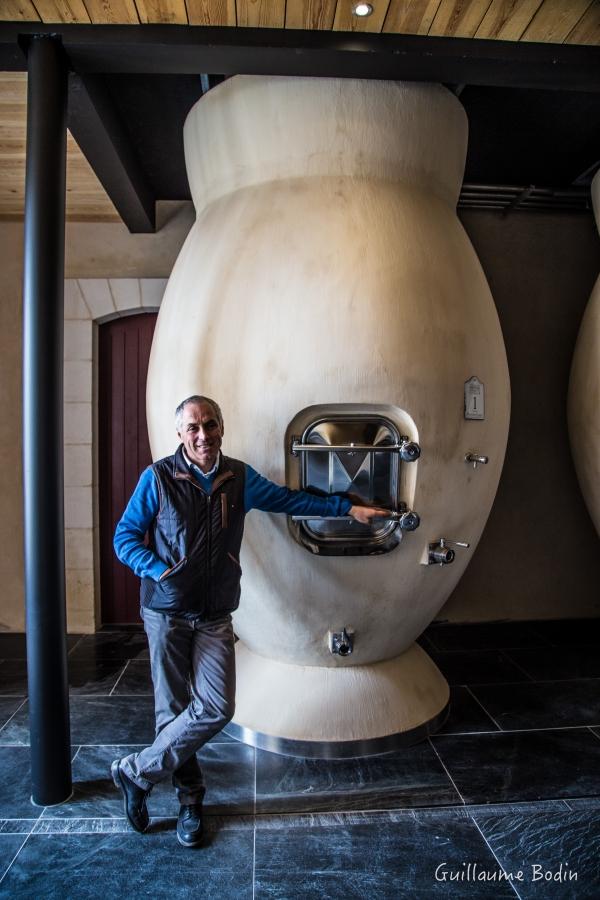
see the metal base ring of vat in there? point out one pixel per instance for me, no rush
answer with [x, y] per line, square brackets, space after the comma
[337, 711]
[337, 749]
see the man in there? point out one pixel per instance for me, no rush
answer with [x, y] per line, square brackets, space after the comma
[192, 505]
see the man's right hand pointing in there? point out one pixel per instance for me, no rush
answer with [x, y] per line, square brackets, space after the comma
[364, 514]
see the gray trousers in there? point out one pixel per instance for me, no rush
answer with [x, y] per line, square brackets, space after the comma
[193, 673]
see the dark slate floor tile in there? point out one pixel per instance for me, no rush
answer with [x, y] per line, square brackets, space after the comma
[74, 825]
[136, 678]
[585, 803]
[521, 807]
[16, 826]
[9, 845]
[13, 645]
[8, 706]
[13, 677]
[84, 677]
[477, 667]
[111, 645]
[97, 677]
[535, 765]
[131, 626]
[379, 860]
[212, 825]
[228, 773]
[485, 636]
[123, 865]
[551, 704]
[548, 848]
[96, 720]
[550, 664]
[569, 632]
[466, 714]
[15, 784]
[229, 777]
[408, 778]
[95, 795]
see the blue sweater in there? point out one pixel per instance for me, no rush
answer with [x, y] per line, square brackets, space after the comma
[259, 493]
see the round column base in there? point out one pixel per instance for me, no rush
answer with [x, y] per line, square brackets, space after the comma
[337, 712]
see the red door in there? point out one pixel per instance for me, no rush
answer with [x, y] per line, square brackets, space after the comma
[123, 449]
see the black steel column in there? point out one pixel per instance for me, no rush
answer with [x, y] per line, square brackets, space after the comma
[43, 312]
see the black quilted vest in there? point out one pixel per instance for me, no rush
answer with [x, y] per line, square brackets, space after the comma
[199, 535]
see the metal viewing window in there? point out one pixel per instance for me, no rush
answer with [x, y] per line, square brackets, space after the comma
[359, 457]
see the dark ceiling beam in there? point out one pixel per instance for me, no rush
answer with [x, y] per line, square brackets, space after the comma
[208, 82]
[95, 124]
[175, 49]
[585, 179]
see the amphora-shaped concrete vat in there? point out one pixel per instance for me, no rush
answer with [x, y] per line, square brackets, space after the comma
[327, 296]
[584, 393]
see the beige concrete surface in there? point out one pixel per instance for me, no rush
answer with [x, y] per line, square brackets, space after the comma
[327, 704]
[338, 263]
[584, 394]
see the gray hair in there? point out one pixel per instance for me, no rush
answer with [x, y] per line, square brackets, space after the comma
[196, 398]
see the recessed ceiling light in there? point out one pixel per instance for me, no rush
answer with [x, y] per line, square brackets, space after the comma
[362, 9]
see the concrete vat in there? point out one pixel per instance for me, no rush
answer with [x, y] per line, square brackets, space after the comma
[327, 279]
[583, 404]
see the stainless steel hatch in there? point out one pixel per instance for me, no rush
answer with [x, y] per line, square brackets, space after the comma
[359, 457]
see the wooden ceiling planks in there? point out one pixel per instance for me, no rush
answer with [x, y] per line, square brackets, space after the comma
[113, 12]
[506, 20]
[86, 198]
[211, 12]
[587, 30]
[261, 13]
[13, 115]
[548, 21]
[162, 12]
[313, 15]
[410, 16]
[18, 11]
[458, 18]
[67, 12]
[554, 20]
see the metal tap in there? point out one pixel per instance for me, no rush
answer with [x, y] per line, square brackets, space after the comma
[476, 459]
[441, 554]
[341, 642]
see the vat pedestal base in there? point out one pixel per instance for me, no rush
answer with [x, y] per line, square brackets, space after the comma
[337, 711]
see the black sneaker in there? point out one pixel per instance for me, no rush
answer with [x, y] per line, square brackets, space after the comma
[189, 825]
[134, 798]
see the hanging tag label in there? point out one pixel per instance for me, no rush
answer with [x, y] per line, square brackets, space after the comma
[474, 398]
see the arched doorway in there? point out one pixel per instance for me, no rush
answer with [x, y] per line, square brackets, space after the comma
[123, 449]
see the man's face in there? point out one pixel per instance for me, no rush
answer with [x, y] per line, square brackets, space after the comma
[201, 434]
